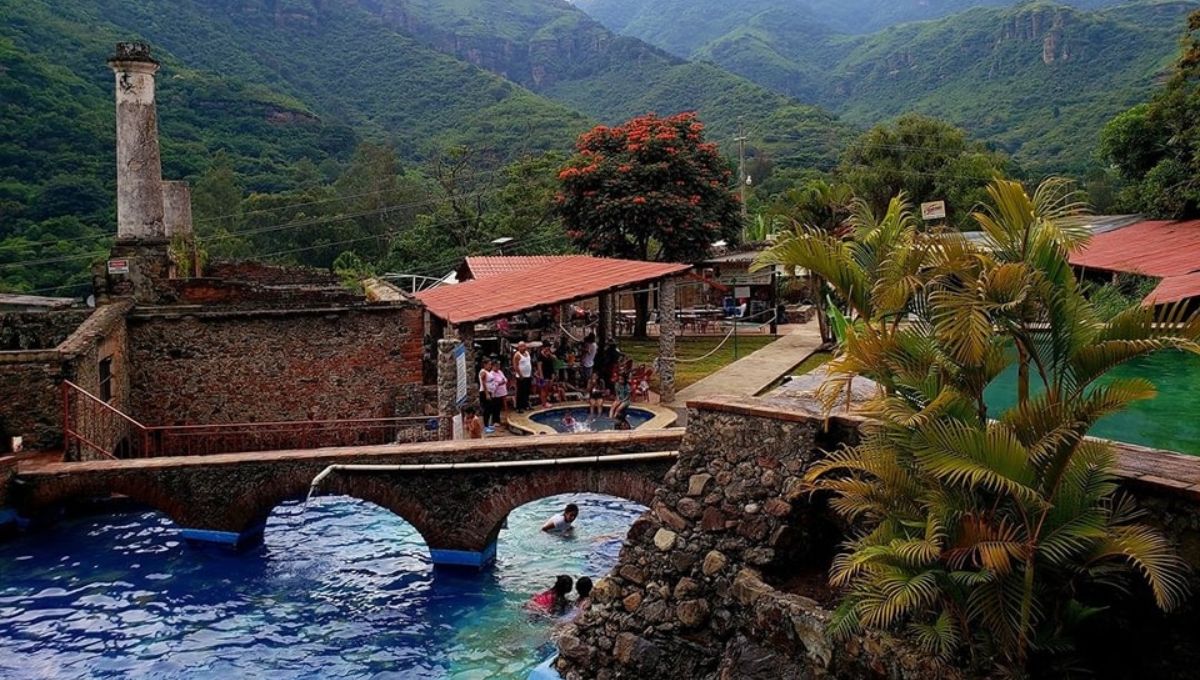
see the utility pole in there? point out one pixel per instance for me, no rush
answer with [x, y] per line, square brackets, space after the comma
[741, 140]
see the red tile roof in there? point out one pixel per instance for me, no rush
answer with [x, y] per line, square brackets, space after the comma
[484, 266]
[557, 281]
[1162, 249]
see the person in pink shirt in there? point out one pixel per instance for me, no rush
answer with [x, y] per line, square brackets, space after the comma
[554, 601]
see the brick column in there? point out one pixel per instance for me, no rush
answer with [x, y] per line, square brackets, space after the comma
[139, 169]
[603, 327]
[666, 339]
[447, 382]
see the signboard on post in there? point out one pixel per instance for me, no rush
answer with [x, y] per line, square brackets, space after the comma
[460, 368]
[935, 210]
[118, 266]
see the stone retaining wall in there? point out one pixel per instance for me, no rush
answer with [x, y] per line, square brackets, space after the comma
[222, 366]
[691, 598]
[30, 380]
[724, 578]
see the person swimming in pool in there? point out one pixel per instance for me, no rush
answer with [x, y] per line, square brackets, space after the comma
[553, 601]
[563, 521]
[569, 422]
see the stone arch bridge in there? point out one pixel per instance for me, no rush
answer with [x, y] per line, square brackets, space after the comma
[226, 498]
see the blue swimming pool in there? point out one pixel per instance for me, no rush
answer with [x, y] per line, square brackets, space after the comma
[342, 589]
[554, 418]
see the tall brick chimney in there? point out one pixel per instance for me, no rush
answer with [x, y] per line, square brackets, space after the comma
[139, 168]
[177, 209]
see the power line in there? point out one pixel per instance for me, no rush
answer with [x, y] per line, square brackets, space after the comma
[258, 230]
[290, 206]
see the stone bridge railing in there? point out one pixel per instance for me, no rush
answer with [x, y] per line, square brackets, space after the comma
[226, 498]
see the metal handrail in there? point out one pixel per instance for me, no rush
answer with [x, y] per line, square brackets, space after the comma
[71, 432]
[84, 412]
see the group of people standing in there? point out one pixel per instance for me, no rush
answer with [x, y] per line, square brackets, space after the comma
[549, 372]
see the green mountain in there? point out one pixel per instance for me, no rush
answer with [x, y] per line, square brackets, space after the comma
[556, 50]
[286, 89]
[1038, 79]
[267, 88]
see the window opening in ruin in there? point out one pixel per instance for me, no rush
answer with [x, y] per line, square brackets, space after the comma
[106, 379]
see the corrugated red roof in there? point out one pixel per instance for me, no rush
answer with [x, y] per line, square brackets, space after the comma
[1173, 289]
[557, 281]
[1169, 250]
[485, 266]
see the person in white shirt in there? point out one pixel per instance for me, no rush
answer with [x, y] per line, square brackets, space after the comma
[561, 523]
[587, 361]
[522, 366]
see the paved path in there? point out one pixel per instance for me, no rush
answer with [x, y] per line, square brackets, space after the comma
[755, 372]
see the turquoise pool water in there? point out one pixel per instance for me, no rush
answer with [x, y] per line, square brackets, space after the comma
[1169, 421]
[585, 423]
[342, 589]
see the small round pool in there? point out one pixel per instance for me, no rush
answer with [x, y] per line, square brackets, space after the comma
[556, 418]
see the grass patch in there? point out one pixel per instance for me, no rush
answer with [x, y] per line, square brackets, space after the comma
[686, 373]
[812, 362]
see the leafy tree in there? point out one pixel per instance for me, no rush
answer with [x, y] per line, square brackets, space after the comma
[1156, 146]
[972, 532]
[927, 160]
[821, 206]
[649, 189]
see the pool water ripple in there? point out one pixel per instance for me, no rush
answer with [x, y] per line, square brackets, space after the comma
[343, 589]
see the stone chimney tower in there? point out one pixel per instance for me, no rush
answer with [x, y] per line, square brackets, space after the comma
[177, 209]
[139, 168]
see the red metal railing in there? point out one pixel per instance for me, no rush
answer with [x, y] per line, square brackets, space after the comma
[92, 425]
[200, 440]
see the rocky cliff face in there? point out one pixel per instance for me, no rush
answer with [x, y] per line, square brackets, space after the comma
[550, 53]
[1049, 26]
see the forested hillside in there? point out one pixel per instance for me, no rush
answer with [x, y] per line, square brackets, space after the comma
[269, 99]
[1038, 79]
[555, 49]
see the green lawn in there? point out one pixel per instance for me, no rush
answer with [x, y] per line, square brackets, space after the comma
[686, 373]
[812, 362]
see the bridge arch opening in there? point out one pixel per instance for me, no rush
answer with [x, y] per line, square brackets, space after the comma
[345, 532]
[589, 549]
[629, 486]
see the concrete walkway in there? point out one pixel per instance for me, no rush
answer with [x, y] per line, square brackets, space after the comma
[755, 372]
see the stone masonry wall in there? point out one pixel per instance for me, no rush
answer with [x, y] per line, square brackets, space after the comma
[273, 365]
[30, 381]
[725, 576]
[20, 331]
[691, 595]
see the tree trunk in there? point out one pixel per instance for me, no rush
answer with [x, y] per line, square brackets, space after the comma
[826, 328]
[641, 303]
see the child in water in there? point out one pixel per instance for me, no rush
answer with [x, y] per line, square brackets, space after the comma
[553, 601]
[569, 423]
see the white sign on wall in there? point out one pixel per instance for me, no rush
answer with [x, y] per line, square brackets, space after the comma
[118, 266]
[935, 210]
[460, 367]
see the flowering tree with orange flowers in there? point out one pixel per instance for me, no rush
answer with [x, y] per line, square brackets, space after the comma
[650, 189]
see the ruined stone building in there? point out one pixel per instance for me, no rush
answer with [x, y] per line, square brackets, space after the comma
[238, 342]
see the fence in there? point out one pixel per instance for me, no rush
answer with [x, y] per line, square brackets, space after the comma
[92, 426]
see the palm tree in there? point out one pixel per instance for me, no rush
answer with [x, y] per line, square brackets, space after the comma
[974, 533]
[816, 206]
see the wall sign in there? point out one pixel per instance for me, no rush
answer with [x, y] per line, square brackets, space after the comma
[460, 367]
[935, 210]
[118, 266]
